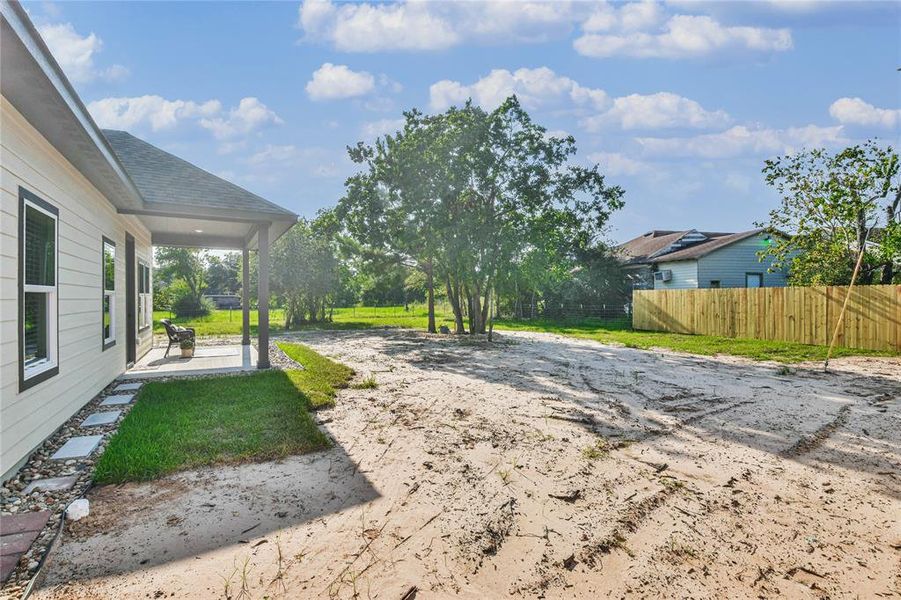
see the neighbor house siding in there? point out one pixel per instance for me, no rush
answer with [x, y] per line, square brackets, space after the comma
[729, 265]
[685, 275]
[85, 216]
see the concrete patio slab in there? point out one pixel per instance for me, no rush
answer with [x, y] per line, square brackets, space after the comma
[118, 399]
[51, 484]
[77, 447]
[206, 361]
[101, 418]
[128, 387]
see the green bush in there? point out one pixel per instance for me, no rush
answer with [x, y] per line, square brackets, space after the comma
[187, 304]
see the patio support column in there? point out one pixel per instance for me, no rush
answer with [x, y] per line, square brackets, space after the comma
[263, 300]
[245, 298]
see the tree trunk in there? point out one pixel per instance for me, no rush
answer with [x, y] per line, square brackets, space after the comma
[490, 316]
[430, 284]
[453, 296]
[865, 275]
[888, 269]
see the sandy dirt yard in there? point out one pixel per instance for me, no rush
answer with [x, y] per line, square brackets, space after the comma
[536, 466]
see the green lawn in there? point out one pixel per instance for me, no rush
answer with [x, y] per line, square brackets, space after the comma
[218, 322]
[605, 331]
[177, 425]
[785, 352]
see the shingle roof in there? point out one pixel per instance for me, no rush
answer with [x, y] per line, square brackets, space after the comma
[164, 178]
[638, 250]
[705, 248]
[642, 249]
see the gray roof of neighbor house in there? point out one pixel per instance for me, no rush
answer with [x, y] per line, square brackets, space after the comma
[665, 245]
[167, 179]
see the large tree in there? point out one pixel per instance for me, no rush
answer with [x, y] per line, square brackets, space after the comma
[306, 270]
[222, 273]
[463, 194]
[183, 271]
[832, 206]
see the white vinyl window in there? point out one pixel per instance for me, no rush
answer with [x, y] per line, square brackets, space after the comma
[145, 297]
[108, 267]
[38, 292]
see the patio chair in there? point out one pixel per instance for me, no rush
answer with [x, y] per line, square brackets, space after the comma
[176, 334]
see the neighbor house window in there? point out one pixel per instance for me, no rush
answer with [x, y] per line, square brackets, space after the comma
[715, 283]
[144, 296]
[753, 280]
[109, 293]
[38, 311]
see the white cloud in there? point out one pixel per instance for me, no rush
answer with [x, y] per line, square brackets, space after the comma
[76, 53]
[542, 87]
[616, 164]
[155, 111]
[854, 111]
[418, 25]
[680, 36]
[743, 141]
[630, 17]
[534, 88]
[331, 82]
[657, 111]
[375, 27]
[274, 153]
[249, 115]
[381, 127]
[158, 113]
[274, 159]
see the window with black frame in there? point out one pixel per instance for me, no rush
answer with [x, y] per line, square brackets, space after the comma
[38, 289]
[109, 293]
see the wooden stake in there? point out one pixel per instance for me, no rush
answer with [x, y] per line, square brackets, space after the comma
[841, 315]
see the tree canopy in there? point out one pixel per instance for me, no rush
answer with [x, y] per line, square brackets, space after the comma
[465, 194]
[832, 206]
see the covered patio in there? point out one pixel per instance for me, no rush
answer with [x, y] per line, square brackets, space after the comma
[185, 206]
[207, 360]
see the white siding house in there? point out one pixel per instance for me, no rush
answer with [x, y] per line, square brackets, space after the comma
[33, 170]
[673, 260]
[80, 210]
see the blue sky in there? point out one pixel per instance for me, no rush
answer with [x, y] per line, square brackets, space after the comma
[679, 102]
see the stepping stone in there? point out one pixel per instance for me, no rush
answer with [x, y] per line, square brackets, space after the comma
[118, 399]
[17, 533]
[77, 447]
[8, 564]
[32, 521]
[101, 418]
[17, 543]
[128, 387]
[52, 484]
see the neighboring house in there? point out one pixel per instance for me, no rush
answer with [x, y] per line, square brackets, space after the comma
[665, 260]
[80, 212]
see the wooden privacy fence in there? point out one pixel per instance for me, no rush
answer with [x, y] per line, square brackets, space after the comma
[807, 315]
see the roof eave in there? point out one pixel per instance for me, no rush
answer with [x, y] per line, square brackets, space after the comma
[114, 183]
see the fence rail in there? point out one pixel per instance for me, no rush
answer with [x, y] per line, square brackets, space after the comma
[807, 315]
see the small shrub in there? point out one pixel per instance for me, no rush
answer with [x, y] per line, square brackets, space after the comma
[598, 450]
[367, 384]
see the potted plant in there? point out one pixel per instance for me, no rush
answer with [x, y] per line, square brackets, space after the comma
[187, 348]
